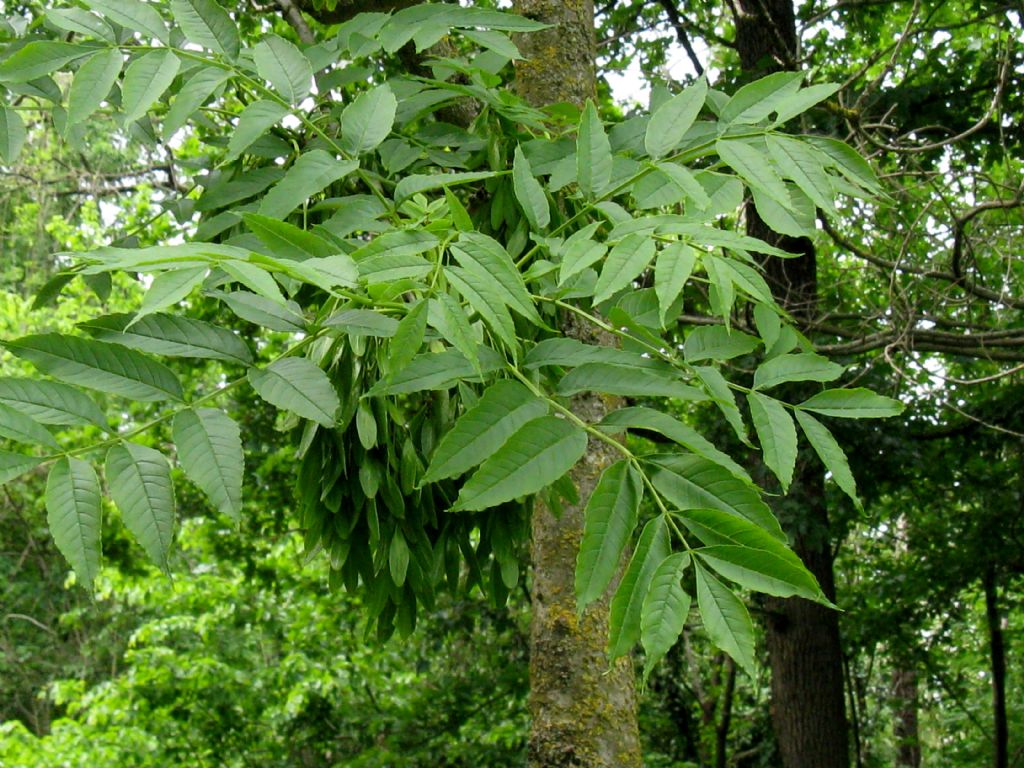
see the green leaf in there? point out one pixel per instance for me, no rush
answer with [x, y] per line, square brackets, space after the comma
[313, 172]
[799, 102]
[238, 187]
[724, 238]
[367, 121]
[848, 162]
[539, 453]
[715, 527]
[777, 434]
[803, 165]
[626, 261]
[398, 558]
[50, 402]
[134, 16]
[529, 193]
[657, 189]
[722, 291]
[753, 166]
[253, 123]
[145, 81]
[570, 352]
[593, 154]
[282, 65]
[363, 322]
[254, 278]
[194, 93]
[298, 385]
[489, 259]
[12, 134]
[626, 381]
[665, 609]
[417, 183]
[287, 240]
[724, 399]
[494, 41]
[800, 367]
[366, 425]
[24, 429]
[447, 317]
[796, 220]
[325, 273]
[609, 520]
[140, 484]
[725, 619]
[579, 255]
[755, 101]
[92, 84]
[80, 21]
[98, 365]
[656, 421]
[762, 571]
[625, 614]
[691, 482]
[768, 324]
[209, 448]
[830, 453]
[670, 122]
[168, 288]
[73, 516]
[746, 278]
[460, 216]
[207, 24]
[38, 59]
[265, 312]
[404, 242]
[687, 182]
[437, 370]
[408, 337]
[171, 336]
[486, 301]
[13, 465]
[715, 342]
[855, 403]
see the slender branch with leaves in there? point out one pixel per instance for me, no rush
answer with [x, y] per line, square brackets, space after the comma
[412, 276]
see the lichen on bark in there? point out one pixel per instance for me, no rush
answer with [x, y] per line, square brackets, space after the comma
[584, 712]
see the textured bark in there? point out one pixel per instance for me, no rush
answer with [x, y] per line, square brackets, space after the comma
[583, 713]
[905, 726]
[559, 61]
[802, 637]
[997, 657]
[808, 712]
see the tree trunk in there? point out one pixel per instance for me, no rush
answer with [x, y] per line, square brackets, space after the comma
[997, 653]
[905, 725]
[802, 637]
[583, 713]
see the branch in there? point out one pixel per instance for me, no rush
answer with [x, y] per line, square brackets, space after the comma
[961, 221]
[969, 286]
[346, 9]
[679, 26]
[293, 15]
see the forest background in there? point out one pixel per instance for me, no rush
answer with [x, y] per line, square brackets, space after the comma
[247, 657]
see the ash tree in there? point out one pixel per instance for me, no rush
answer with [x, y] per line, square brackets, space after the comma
[425, 301]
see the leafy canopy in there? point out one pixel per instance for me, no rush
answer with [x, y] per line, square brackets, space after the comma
[419, 277]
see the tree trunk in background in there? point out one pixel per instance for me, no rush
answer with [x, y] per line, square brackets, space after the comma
[802, 637]
[997, 654]
[583, 713]
[905, 724]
